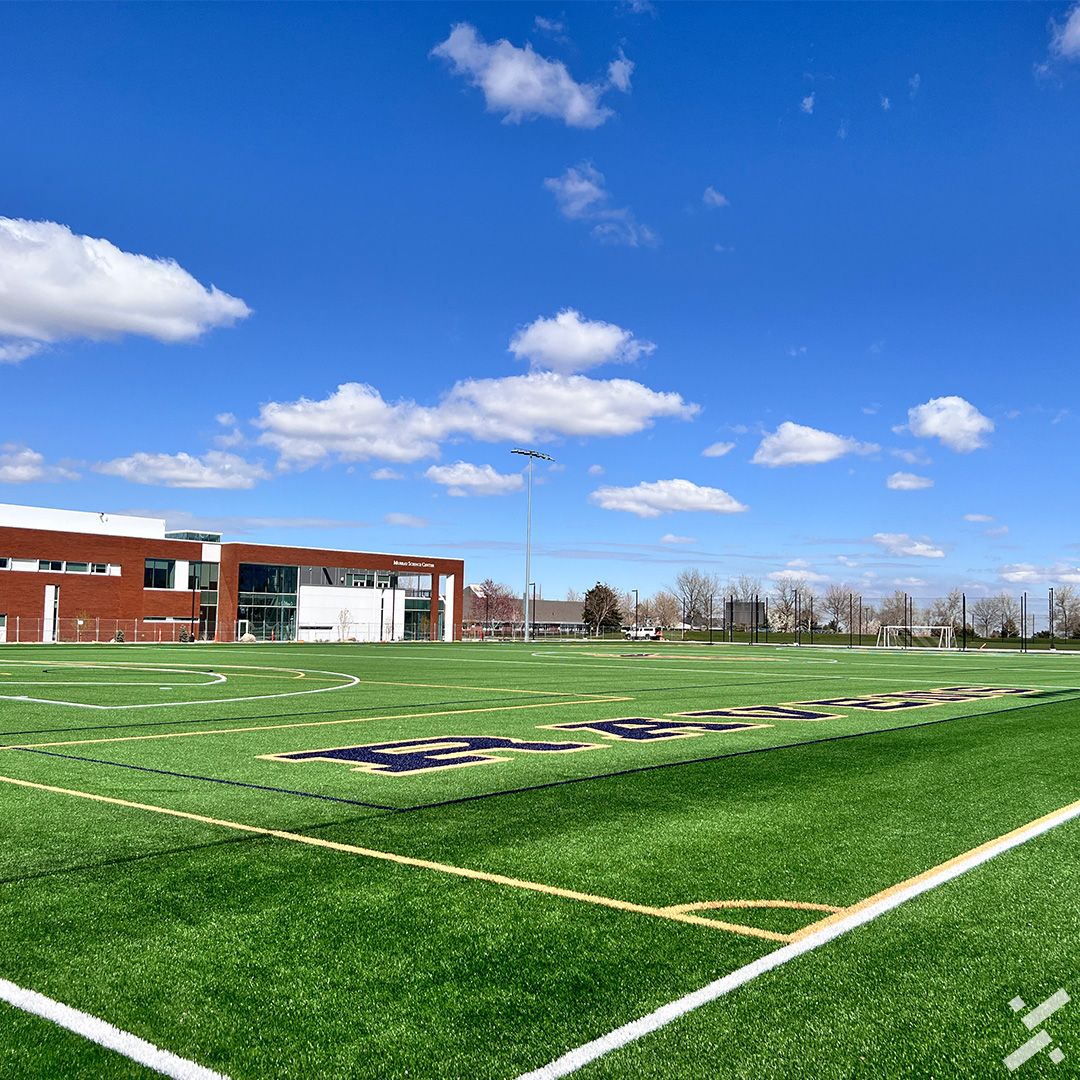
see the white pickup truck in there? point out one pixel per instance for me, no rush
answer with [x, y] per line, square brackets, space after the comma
[642, 633]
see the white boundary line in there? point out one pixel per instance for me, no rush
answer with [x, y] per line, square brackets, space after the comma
[574, 1059]
[350, 680]
[104, 1034]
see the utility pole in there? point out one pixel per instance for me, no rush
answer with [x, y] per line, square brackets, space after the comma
[532, 455]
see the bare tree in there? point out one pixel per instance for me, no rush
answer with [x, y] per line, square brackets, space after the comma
[836, 604]
[947, 610]
[692, 587]
[647, 612]
[892, 610]
[665, 608]
[782, 607]
[1008, 613]
[496, 604]
[743, 587]
[985, 614]
[574, 594]
[344, 619]
[1066, 610]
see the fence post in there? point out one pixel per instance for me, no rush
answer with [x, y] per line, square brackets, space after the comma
[963, 622]
[1050, 606]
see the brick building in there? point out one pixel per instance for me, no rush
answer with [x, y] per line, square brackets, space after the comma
[70, 575]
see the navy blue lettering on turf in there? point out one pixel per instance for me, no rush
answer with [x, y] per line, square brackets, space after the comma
[410, 756]
[918, 699]
[645, 729]
[764, 712]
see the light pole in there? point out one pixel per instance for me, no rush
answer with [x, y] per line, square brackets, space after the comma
[635, 609]
[532, 455]
[532, 609]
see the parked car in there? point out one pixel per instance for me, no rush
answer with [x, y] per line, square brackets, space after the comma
[642, 633]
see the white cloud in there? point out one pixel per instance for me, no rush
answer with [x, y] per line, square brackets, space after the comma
[1065, 37]
[215, 469]
[650, 500]
[15, 351]
[673, 538]
[841, 131]
[978, 517]
[724, 249]
[555, 27]
[406, 521]
[796, 444]
[913, 84]
[718, 449]
[354, 423]
[619, 72]
[463, 478]
[847, 560]
[521, 84]
[798, 574]
[997, 530]
[21, 465]
[905, 481]
[386, 474]
[952, 420]
[1022, 574]
[912, 457]
[596, 470]
[902, 544]
[581, 195]
[226, 419]
[886, 104]
[910, 582]
[55, 284]
[714, 198]
[807, 103]
[568, 343]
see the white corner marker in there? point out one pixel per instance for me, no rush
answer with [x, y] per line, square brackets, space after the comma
[98, 1031]
[575, 1059]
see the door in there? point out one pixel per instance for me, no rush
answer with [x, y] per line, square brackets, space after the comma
[50, 616]
[3, 629]
[241, 628]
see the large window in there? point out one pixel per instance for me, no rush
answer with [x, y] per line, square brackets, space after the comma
[266, 605]
[203, 576]
[159, 574]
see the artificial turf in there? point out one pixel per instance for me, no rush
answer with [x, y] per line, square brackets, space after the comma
[260, 956]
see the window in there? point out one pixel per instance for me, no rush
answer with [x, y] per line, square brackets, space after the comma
[203, 576]
[360, 579]
[50, 564]
[5, 563]
[159, 574]
[99, 568]
[77, 568]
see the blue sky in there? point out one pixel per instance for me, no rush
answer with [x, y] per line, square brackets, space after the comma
[310, 272]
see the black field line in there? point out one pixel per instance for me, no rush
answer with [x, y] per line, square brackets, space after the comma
[121, 860]
[732, 754]
[208, 779]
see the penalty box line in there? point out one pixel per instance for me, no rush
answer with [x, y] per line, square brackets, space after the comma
[408, 860]
[807, 940]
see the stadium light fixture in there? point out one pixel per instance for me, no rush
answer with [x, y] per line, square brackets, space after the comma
[532, 455]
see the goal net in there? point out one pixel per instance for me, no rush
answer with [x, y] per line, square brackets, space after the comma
[916, 637]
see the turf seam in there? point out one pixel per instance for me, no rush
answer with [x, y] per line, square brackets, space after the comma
[730, 754]
[209, 779]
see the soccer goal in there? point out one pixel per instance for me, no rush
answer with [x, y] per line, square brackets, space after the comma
[916, 637]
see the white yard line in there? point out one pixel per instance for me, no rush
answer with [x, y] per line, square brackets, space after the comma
[104, 1034]
[838, 925]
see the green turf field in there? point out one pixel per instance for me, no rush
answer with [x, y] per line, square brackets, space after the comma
[470, 860]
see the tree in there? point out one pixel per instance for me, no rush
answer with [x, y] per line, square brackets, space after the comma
[496, 604]
[344, 619]
[665, 608]
[782, 607]
[602, 608]
[1066, 611]
[574, 594]
[836, 604]
[743, 587]
[1008, 613]
[947, 610]
[893, 610]
[985, 615]
[693, 589]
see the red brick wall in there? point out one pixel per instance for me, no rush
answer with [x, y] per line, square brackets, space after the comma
[22, 593]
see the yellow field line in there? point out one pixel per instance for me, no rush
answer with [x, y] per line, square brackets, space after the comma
[490, 689]
[312, 723]
[405, 860]
[901, 886]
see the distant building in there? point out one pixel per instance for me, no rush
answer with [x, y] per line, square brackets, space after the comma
[69, 575]
[547, 617]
